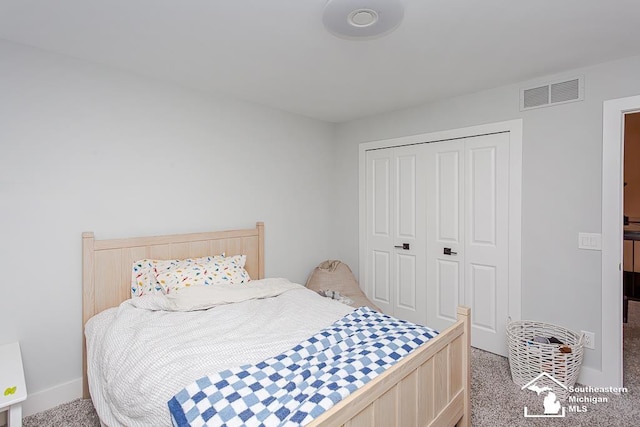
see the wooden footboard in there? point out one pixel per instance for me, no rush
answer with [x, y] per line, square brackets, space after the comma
[430, 387]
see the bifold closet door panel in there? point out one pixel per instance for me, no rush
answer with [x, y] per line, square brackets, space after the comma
[396, 272]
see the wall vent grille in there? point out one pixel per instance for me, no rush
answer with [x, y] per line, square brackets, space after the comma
[552, 93]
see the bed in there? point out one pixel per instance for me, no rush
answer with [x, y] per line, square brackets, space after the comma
[430, 386]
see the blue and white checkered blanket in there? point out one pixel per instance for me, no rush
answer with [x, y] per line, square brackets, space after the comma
[297, 386]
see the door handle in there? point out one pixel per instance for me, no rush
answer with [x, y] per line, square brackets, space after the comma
[404, 246]
[448, 251]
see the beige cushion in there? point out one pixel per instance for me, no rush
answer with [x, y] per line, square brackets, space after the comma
[337, 276]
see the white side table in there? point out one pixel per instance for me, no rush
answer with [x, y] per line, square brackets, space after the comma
[13, 390]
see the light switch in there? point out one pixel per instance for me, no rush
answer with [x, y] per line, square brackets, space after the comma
[590, 241]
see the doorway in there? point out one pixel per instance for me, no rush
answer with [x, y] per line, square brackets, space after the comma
[614, 112]
[631, 209]
[631, 224]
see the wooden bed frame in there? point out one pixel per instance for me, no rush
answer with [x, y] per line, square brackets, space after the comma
[430, 387]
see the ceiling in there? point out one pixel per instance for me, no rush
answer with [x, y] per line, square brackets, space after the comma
[278, 53]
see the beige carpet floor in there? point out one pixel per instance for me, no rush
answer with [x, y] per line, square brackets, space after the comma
[496, 400]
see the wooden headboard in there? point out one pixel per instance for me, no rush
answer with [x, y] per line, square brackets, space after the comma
[106, 264]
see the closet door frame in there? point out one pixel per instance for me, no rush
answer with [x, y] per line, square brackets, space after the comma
[514, 128]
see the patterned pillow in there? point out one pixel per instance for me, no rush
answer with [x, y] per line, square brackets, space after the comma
[183, 275]
[228, 270]
[231, 270]
[206, 259]
[144, 273]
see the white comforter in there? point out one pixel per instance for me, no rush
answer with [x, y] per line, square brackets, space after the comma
[139, 358]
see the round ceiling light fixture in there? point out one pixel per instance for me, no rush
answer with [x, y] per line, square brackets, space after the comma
[362, 19]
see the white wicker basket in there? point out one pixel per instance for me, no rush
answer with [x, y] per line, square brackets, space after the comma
[528, 359]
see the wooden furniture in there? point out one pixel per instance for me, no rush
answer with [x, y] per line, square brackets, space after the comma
[431, 386]
[13, 390]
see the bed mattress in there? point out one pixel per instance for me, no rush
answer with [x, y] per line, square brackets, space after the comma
[138, 359]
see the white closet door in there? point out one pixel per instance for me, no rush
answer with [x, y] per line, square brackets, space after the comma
[396, 226]
[437, 233]
[410, 229]
[445, 232]
[467, 233]
[487, 239]
[380, 239]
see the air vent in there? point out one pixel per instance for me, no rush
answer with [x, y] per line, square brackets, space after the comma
[553, 93]
[536, 97]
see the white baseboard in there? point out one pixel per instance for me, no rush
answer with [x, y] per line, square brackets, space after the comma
[592, 377]
[52, 397]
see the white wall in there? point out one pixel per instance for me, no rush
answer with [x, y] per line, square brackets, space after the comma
[561, 186]
[87, 148]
